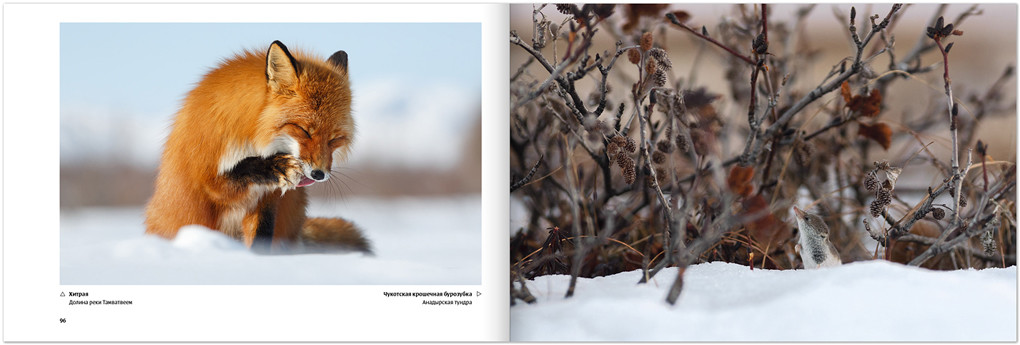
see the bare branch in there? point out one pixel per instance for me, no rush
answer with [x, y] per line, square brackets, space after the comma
[525, 180]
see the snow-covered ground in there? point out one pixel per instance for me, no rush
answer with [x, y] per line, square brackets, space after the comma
[416, 241]
[861, 301]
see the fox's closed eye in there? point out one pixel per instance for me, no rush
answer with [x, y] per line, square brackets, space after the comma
[299, 127]
[337, 141]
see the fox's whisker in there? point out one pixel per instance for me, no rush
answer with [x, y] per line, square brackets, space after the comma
[339, 184]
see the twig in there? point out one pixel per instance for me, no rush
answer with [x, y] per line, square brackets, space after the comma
[833, 124]
[677, 232]
[902, 227]
[605, 75]
[580, 248]
[969, 230]
[953, 112]
[711, 236]
[971, 251]
[524, 67]
[672, 18]
[645, 147]
[922, 46]
[615, 241]
[543, 177]
[580, 137]
[992, 94]
[638, 95]
[527, 178]
[555, 73]
[937, 33]
[522, 293]
[941, 246]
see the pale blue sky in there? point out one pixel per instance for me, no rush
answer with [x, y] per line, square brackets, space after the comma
[146, 68]
[122, 83]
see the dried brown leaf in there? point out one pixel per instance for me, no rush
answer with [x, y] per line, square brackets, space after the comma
[698, 98]
[636, 11]
[765, 229]
[845, 90]
[868, 106]
[739, 180]
[879, 132]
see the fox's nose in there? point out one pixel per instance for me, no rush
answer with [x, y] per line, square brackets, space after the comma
[318, 175]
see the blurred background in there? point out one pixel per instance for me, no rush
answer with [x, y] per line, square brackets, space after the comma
[978, 58]
[416, 103]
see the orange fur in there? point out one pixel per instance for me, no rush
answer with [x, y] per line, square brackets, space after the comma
[289, 113]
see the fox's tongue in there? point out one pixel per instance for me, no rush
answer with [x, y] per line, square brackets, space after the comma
[305, 181]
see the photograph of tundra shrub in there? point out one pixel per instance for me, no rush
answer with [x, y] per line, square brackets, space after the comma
[763, 172]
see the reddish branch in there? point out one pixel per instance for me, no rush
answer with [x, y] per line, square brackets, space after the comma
[955, 162]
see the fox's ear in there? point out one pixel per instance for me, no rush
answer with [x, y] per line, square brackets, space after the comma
[339, 59]
[281, 68]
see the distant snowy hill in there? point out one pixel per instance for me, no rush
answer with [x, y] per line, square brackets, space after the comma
[398, 126]
[861, 301]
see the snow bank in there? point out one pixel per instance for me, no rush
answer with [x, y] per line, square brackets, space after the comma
[416, 241]
[861, 301]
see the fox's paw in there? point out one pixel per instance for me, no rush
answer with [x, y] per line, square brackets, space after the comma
[288, 171]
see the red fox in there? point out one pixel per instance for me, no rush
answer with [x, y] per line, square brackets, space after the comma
[255, 130]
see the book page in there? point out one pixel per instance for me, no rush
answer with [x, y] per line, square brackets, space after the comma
[145, 117]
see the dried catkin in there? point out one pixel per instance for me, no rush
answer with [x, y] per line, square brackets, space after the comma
[631, 145]
[876, 208]
[646, 41]
[664, 146]
[650, 67]
[871, 181]
[661, 58]
[634, 56]
[658, 157]
[682, 143]
[659, 78]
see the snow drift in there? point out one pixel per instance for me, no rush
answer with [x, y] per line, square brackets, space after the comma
[862, 301]
[416, 241]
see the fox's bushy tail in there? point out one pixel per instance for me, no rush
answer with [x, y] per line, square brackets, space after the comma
[325, 235]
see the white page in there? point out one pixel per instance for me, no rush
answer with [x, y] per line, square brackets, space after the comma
[251, 309]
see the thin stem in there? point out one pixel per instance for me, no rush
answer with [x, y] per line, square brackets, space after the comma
[672, 18]
[525, 180]
[954, 160]
[580, 248]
